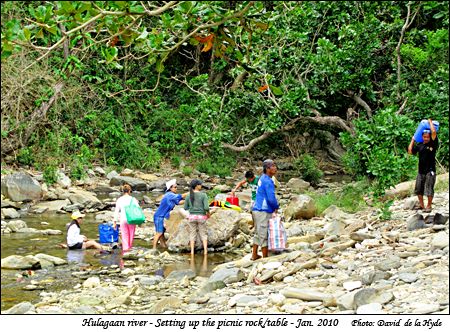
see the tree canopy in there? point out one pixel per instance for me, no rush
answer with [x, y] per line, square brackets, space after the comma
[131, 82]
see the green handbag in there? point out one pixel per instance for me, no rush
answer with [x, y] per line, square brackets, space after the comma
[135, 215]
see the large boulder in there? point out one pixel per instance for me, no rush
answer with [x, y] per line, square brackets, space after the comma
[301, 207]
[405, 189]
[21, 187]
[10, 213]
[63, 180]
[222, 225]
[84, 198]
[298, 185]
[136, 184]
[16, 262]
[52, 206]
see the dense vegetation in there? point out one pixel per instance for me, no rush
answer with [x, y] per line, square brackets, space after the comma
[132, 83]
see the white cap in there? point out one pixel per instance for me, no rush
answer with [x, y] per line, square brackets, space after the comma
[170, 184]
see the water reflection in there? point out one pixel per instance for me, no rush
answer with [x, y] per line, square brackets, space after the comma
[199, 265]
[75, 256]
[112, 258]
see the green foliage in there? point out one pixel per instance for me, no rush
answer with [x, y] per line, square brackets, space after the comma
[220, 166]
[308, 167]
[50, 173]
[384, 213]
[187, 170]
[175, 161]
[212, 193]
[378, 150]
[26, 156]
[349, 199]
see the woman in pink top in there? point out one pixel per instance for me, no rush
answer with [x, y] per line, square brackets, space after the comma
[127, 230]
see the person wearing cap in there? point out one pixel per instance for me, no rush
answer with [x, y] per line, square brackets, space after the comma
[198, 206]
[426, 177]
[170, 199]
[127, 230]
[266, 205]
[74, 239]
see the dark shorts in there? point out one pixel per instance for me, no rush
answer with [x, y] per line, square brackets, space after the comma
[159, 224]
[425, 184]
[79, 245]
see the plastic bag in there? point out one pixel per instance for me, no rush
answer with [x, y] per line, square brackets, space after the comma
[134, 213]
[277, 238]
[107, 233]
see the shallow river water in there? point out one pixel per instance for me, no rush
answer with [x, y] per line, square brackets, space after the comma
[58, 278]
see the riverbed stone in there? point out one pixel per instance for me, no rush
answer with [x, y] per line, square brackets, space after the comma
[54, 260]
[408, 277]
[180, 274]
[424, 308]
[15, 225]
[63, 180]
[391, 262]
[370, 309]
[305, 294]
[17, 262]
[440, 240]
[150, 280]
[301, 207]
[20, 187]
[84, 198]
[20, 309]
[10, 213]
[297, 185]
[228, 276]
[162, 305]
[135, 183]
[52, 206]
[91, 282]
[373, 276]
[415, 221]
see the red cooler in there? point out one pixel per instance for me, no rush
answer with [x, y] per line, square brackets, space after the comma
[233, 200]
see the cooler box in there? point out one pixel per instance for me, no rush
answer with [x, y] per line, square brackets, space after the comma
[424, 125]
[233, 200]
[107, 234]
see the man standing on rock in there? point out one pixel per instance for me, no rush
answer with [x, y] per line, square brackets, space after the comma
[426, 177]
[266, 205]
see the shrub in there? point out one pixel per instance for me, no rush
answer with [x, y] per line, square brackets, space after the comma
[187, 170]
[49, 175]
[308, 168]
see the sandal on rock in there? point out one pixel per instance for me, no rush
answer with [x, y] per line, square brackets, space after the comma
[427, 210]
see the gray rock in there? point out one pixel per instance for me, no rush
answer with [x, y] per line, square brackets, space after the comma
[361, 236]
[370, 309]
[211, 286]
[55, 260]
[425, 308]
[84, 310]
[298, 185]
[20, 187]
[408, 277]
[371, 295]
[16, 262]
[221, 226]
[166, 303]
[20, 308]
[10, 213]
[416, 221]
[302, 207]
[89, 300]
[150, 280]
[15, 225]
[111, 175]
[52, 206]
[228, 276]
[392, 262]
[73, 207]
[84, 198]
[409, 203]
[63, 180]
[305, 294]
[335, 227]
[180, 274]
[440, 219]
[440, 240]
[373, 276]
[135, 183]
[99, 170]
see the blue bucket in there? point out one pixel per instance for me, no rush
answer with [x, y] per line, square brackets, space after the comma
[424, 125]
[107, 234]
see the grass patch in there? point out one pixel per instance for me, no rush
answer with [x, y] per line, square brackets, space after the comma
[349, 199]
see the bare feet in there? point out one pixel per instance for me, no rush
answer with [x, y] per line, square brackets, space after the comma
[255, 258]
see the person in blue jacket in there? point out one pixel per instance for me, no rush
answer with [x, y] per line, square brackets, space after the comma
[266, 205]
[170, 199]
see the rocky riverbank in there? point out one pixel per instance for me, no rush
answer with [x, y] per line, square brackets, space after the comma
[336, 263]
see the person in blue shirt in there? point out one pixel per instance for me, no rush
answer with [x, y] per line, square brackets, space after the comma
[170, 199]
[266, 205]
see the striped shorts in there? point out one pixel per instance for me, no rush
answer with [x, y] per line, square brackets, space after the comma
[425, 184]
